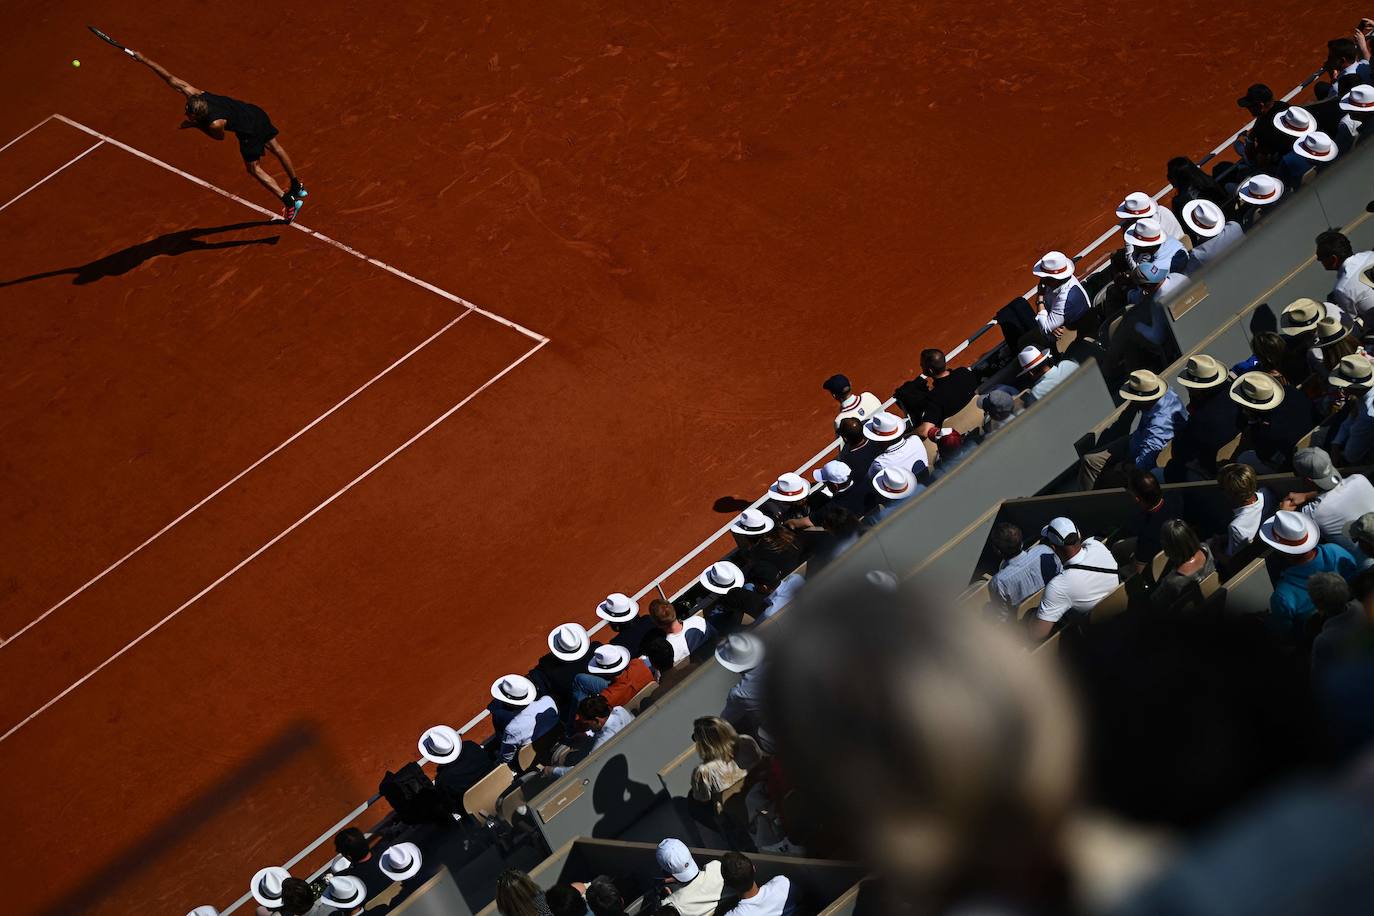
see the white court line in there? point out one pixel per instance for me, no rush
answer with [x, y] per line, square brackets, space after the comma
[235, 479]
[348, 249]
[290, 528]
[26, 133]
[55, 171]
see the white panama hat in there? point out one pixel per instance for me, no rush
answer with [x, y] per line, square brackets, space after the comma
[1360, 99]
[266, 885]
[884, 427]
[789, 488]
[1290, 532]
[1260, 190]
[617, 608]
[569, 642]
[1295, 122]
[1054, 264]
[1316, 146]
[441, 744]
[515, 689]
[1137, 205]
[401, 861]
[609, 660]
[1145, 233]
[722, 577]
[740, 652]
[1204, 217]
[752, 523]
[894, 483]
[343, 892]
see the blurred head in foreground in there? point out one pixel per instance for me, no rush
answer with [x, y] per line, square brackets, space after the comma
[948, 754]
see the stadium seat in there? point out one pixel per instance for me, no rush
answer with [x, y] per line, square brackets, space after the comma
[481, 800]
[1110, 606]
[969, 418]
[636, 701]
[748, 754]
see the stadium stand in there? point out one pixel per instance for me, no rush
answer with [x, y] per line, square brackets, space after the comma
[971, 472]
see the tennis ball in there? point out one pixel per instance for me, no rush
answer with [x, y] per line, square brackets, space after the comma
[76, 63]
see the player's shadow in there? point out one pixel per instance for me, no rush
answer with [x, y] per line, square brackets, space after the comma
[183, 241]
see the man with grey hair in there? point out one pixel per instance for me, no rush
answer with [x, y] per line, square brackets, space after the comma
[1334, 501]
[1361, 534]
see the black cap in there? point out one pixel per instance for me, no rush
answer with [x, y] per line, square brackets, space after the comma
[1256, 94]
[836, 385]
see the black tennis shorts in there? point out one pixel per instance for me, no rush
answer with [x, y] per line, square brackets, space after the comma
[252, 146]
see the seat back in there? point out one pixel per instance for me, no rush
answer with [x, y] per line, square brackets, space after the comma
[748, 754]
[969, 418]
[1110, 606]
[636, 701]
[524, 758]
[1157, 566]
[480, 800]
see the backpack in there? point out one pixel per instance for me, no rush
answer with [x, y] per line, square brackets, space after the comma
[413, 796]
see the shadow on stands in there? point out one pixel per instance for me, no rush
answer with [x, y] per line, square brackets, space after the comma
[297, 743]
[183, 241]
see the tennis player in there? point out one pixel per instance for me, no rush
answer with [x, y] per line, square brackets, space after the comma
[214, 114]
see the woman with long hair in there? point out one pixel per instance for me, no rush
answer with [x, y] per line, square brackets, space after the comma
[517, 895]
[717, 743]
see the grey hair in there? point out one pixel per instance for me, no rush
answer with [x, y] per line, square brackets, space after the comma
[1329, 592]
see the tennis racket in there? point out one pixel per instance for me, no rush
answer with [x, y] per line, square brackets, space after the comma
[108, 40]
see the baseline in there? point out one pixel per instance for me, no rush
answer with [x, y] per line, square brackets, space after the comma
[348, 249]
[275, 539]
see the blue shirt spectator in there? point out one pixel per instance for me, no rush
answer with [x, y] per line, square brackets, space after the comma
[1156, 428]
[1296, 539]
[1024, 575]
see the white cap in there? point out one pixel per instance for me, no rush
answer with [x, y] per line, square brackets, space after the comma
[676, 860]
[833, 473]
[1058, 530]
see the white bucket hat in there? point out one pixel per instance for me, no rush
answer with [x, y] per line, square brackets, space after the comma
[675, 860]
[617, 608]
[569, 642]
[789, 488]
[1316, 146]
[722, 577]
[1204, 217]
[609, 660]
[515, 689]
[441, 744]
[1261, 190]
[343, 892]
[894, 483]
[884, 427]
[1137, 205]
[752, 522]
[740, 652]
[1030, 357]
[401, 861]
[1290, 532]
[1055, 264]
[1295, 122]
[1360, 99]
[1145, 233]
[833, 473]
[266, 886]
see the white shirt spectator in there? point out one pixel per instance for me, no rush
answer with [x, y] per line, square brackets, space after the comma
[1064, 303]
[909, 454]
[773, 899]
[861, 406]
[785, 592]
[1334, 510]
[1077, 589]
[701, 895]
[695, 631]
[1351, 294]
[1208, 250]
[529, 723]
[618, 719]
[1050, 380]
[1245, 524]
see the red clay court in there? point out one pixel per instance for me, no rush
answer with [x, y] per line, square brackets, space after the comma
[272, 501]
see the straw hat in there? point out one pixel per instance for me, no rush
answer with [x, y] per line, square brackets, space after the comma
[1144, 386]
[1257, 390]
[1353, 371]
[1330, 330]
[1261, 190]
[1290, 532]
[1300, 316]
[1203, 371]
